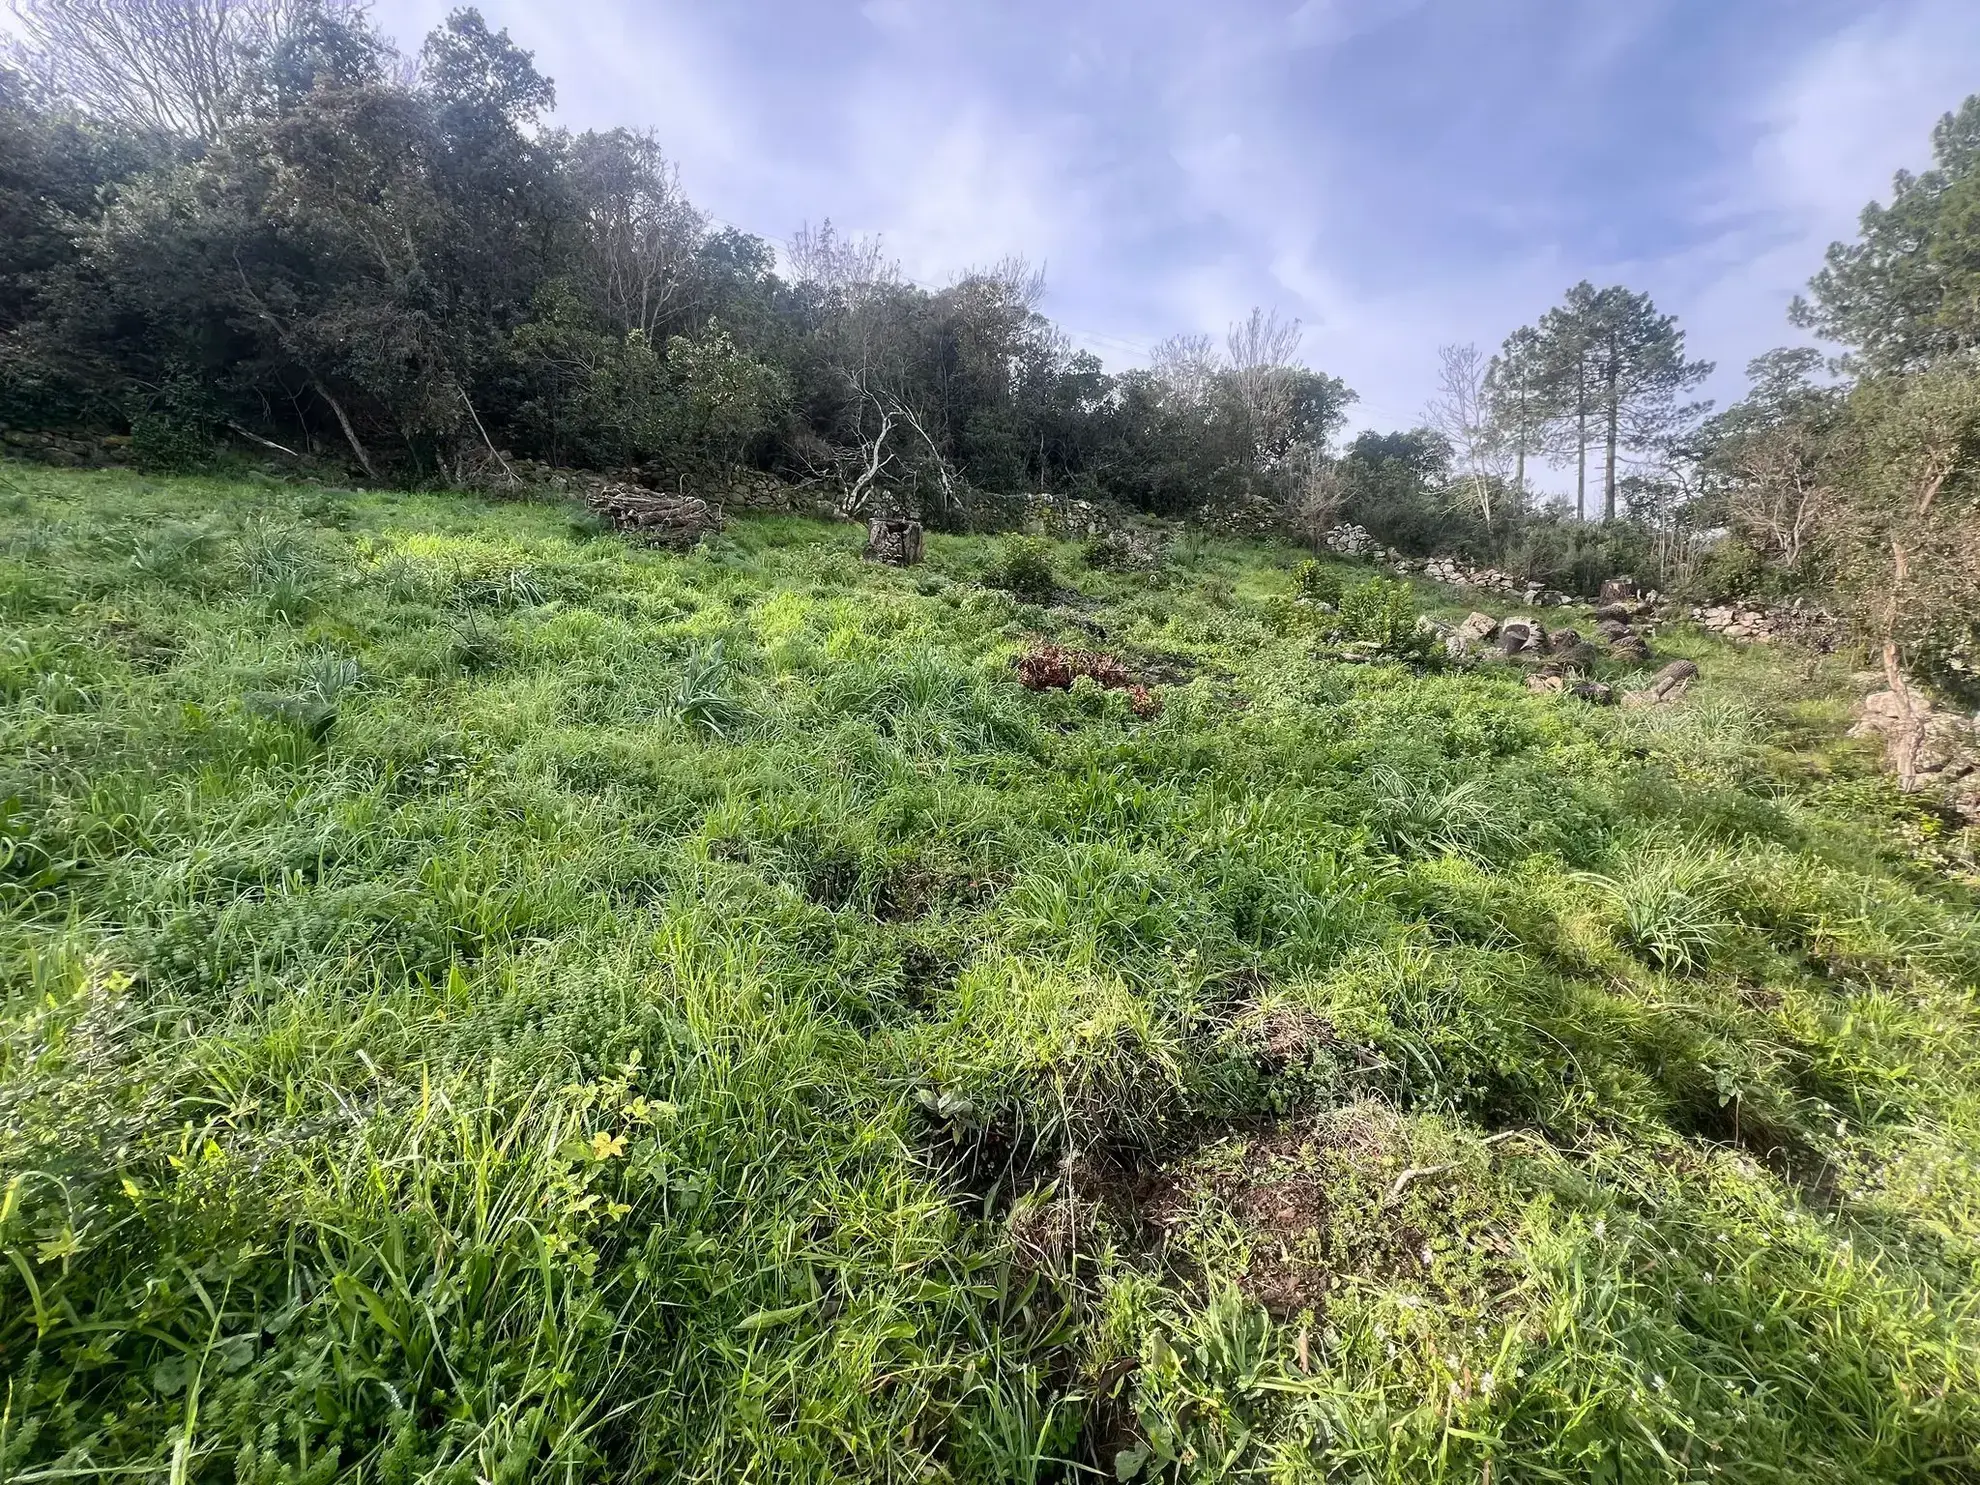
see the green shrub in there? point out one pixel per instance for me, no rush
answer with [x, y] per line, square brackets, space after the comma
[173, 431]
[1670, 906]
[1122, 551]
[1314, 582]
[703, 698]
[1024, 569]
[1382, 613]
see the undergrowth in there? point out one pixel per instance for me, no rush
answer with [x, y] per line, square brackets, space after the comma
[487, 1002]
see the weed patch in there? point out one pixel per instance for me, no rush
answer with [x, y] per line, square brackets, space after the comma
[481, 1002]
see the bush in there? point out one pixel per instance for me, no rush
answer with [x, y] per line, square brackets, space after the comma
[1577, 556]
[1024, 569]
[1316, 583]
[1732, 569]
[1382, 613]
[173, 432]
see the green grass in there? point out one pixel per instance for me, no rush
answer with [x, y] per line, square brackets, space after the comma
[486, 1002]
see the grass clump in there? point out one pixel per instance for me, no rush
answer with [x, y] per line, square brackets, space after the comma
[486, 1002]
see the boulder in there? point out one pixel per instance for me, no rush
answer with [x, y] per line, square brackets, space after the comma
[1477, 628]
[1579, 660]
[1593, 692]
[1562, 641]
[1621, 590]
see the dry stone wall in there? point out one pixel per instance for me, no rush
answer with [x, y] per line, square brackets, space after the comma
[1798, 622]
[1349, 540]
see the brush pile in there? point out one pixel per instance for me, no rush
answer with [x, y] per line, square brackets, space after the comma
[1050, 667]
[655, 517]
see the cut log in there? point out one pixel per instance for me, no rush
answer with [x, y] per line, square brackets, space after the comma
[1666, 686]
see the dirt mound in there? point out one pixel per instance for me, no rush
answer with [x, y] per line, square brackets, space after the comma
[1348, 1197]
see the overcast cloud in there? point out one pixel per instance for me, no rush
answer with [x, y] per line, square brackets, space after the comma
[1396, 173]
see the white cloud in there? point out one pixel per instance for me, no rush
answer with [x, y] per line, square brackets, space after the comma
[1175, 163]
[1825, 141]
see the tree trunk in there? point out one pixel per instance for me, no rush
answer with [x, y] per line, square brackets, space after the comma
[1609, 470]
[1581, 462]
[350, 433]
[1903, 753]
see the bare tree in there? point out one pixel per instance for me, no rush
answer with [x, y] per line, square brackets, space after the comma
[1262, 352]
[853, 266]
[1015, 276]
[1781, 494]
[1460, 412]
[173, 66]
[1187, 366]
[1317, 497]
[642, 232]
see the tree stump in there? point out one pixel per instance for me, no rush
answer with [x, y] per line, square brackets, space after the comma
[896, 542]
[1621, 590]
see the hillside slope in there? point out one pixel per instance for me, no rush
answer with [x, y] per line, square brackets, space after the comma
[487, 1002]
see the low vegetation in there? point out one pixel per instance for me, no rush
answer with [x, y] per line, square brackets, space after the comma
[485, 1001]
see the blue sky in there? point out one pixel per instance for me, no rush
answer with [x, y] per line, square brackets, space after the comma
[1395, 173]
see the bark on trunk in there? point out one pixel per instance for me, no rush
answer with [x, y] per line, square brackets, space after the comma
[1904, 746]
[1609, 469]
[1581, 465]
[350, 433]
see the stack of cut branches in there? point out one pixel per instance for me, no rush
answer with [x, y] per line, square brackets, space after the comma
[654, 517]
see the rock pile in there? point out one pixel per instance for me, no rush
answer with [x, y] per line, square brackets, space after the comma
[67, 450]
[1945, 746]
[1625, 624]
[1561, 659]
[1799, 621]
[1350, 540]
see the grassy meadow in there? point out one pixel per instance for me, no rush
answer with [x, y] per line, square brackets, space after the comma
[485, 1002]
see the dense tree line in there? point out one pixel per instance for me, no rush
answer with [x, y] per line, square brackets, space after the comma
[255, 219]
